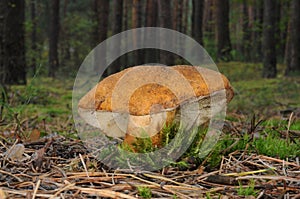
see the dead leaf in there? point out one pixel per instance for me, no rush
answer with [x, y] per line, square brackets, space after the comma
[34, 136]
[2, 194]
[15, 152]
[38, 159]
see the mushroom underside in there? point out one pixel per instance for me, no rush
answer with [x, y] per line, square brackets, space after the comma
[189, 113]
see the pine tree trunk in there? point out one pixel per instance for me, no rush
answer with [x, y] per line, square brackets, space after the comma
[125, 27]
[208, 19]
[117, 11]
[165, 21]
[256, 33]
[246, 34]
[53, 38]
[222, 26]
[137, 23]
[12, 42]
[33, 34]
[101, 13]
[294, 66]
[197, 16]
[151, 20]
[269, 39]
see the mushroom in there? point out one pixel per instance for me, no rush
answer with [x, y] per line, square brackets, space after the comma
[141, 100]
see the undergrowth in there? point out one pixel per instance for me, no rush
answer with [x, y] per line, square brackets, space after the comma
[46, 104]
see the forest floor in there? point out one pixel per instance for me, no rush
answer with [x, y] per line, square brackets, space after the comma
[257, 156]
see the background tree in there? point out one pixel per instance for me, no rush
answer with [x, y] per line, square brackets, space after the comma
[117, 13]
[151, 20]
[53, 38]
[256, 31]
[294, 39]
[222, 29]
[197, 16]
[269, 39]
[12, 42]
[165, 21]
[101, 13]
[33, 34]
[137, 12]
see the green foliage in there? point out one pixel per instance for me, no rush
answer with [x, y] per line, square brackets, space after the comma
[144, 192]
[247, 191]
[255, 95]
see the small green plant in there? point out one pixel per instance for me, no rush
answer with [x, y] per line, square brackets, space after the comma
[208, 195]
[247, 191]
[144, 192]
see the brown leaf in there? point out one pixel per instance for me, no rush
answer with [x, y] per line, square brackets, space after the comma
[34, 136]
[2, 194]
[15, 152]
[39, 155]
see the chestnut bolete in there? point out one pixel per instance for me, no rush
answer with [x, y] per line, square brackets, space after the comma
[139, 101]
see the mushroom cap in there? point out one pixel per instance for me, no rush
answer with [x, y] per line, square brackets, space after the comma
[142, 91]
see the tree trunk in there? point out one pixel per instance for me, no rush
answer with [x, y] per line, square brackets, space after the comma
[53, 38]
[101, 13]
[256, 33]
[117, 11]
[125, 27]
[151, 20]
[246, 34]
[284, 23]
[137, 23]
[12, 42]
[269, 39]
[222, 26]
[165, 21]
[294, 66]
[197, 16]
[185, 17]
[33, 35]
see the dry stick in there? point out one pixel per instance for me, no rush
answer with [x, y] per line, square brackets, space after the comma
[288, 127]
[24, 193]
[158, 185]
[206, 175]
[36, 189]
[246, 173]
[10, 174]
[104, 193]
[261, 194]
[166, 179]
[268, 178]
[296, 196]
[277, 160]
[221, 165]
[84, 166]
[61, 190]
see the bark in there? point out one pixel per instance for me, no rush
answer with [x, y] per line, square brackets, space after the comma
[246, 34]
[294, 66]
[185, 16]
[53, 38]
[33, 34]
[152, 55]
[165, 21]
[12, 42]
[269, 40]
[256, 34]
[222, 26]
[197, 16]
[117, 12]
[208, 19]
[125, 26]
[137, 23]
[101, 13]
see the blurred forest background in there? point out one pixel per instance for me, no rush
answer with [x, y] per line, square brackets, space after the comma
[52, 38]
